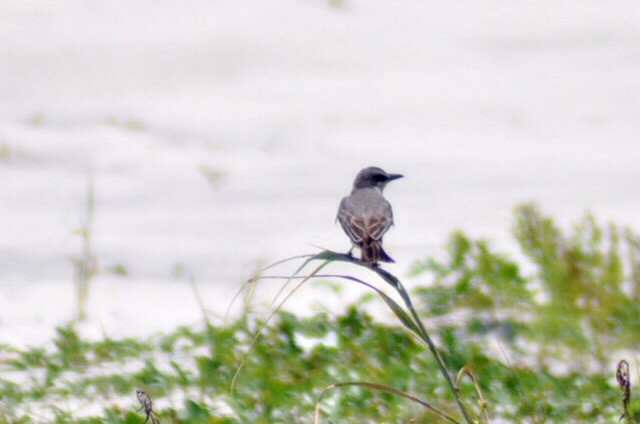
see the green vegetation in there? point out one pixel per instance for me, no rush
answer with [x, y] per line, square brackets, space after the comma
[541, 345]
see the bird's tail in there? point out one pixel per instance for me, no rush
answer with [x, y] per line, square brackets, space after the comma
[372, 253]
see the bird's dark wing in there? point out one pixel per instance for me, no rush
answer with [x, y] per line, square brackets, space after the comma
[364, 226]
[377, 224]
[350, 224]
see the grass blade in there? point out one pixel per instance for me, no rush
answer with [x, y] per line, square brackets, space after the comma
[273, 312]
[381, 388]
[393, 305]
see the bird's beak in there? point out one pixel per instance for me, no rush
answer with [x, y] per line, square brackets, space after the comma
[392, 177]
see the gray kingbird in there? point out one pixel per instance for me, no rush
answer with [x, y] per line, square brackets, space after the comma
[365, 215]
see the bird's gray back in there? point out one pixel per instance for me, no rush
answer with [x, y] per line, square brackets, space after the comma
[366, 201]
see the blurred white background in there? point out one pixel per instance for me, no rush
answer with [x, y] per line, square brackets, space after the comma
[224, 133]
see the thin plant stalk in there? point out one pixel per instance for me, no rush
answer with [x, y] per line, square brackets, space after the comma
[385, 389]
[443, 367]
[255, 278]
[523, 396]
[266, 321]
[85, 264]
[481, 400]
[414, 323]
[423, 334]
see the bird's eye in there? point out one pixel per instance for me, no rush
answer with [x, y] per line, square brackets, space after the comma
[379, 178]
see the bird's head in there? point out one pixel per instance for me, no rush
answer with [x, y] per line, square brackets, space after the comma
[373, 177]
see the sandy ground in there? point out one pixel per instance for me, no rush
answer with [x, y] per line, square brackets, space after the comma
[221, 135]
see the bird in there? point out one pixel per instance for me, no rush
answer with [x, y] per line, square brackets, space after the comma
[365, 215]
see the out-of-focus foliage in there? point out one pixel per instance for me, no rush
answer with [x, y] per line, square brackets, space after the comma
[561, 325]
[579, 305]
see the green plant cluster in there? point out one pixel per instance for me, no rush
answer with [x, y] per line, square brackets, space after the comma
[188, 373]
[561, 327]
[572, 314]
